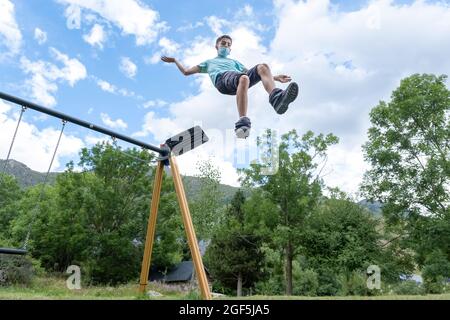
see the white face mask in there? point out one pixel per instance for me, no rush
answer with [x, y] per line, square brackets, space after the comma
[223, 52]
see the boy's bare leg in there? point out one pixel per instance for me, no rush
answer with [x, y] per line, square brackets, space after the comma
[241, 95]
[266, 77]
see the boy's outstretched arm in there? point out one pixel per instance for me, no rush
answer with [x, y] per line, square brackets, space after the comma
[282, 78]
[183, 70]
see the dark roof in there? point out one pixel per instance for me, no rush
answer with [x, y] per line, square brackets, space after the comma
[182, 272]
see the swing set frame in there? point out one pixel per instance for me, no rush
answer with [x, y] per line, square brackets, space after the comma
[173, 147]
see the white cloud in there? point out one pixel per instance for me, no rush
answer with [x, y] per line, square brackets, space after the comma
[92, 140]
[248, 10]
[40, 36]
[190, 26]
[111, 88]
[217, 24]
[4, 109]
[106, 86]
[114, 124]
[155, 103]
[161, 128]
[133, 17]
[168, 48]
[34, 147]
[10, 35]
[188, 165]
[73, 69]
[96, 37]
[154, 59]
[46, 75]
[344, 62]
[127, 67]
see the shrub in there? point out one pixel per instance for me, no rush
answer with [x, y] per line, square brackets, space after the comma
[435, 272]
[306, 283]
[354, 284]
[15, 270]
[328, 283]
[270, 287]
[408, 287]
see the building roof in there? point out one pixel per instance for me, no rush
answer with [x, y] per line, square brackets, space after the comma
[182, 272]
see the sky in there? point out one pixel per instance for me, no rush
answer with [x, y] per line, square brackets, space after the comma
[98, 60]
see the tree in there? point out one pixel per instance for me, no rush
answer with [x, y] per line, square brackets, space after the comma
[96, 218]
[10, 193]
[408, 149]
[234, 256]
[342, 238]
[294, 186]
[206, 208]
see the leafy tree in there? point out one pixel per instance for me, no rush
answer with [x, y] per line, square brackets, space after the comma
[342, 236]
[234, 256]
[436, 272]
[342, 239]
[408, 149]
[97, 217]
[206, 208]
[292, 183]
[10, 193]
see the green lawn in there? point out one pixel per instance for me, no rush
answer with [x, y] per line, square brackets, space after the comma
[55, 289]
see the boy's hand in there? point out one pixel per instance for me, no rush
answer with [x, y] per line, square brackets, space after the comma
[168, 59]
[282, 78]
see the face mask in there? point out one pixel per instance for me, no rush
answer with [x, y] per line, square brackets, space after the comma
[223, 52]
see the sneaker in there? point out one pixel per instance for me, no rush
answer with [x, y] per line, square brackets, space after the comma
[242, 127]
[280, 99]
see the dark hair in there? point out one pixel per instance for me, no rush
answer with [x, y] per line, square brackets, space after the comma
[225, 36]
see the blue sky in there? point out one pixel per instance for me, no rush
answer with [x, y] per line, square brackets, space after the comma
[346, 55]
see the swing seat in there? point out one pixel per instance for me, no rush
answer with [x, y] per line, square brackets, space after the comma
[13, 251]
[187, 140]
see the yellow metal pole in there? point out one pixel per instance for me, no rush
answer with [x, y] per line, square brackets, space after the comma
[145, 269]
[192, 239]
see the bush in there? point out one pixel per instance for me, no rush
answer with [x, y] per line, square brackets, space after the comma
[435, 272]
[306, 283]
[270, 287]
[15, 270]
[354, 284]
[328, 283]
[408, 287]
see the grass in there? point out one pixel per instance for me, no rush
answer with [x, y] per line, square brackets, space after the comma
[56, 289]
[387, 297]
[51, 288]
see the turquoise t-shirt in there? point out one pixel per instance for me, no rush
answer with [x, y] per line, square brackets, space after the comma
[219, 65]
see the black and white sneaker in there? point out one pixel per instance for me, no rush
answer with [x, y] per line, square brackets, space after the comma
[280, 99]
[242, 128]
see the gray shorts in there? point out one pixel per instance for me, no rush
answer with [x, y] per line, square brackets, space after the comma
[228, 81]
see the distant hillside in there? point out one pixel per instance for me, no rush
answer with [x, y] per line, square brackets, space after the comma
[27, 178]
[374, 207]
[24, 175]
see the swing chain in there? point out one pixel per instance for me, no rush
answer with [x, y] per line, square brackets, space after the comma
[41, 194]
[13, 139]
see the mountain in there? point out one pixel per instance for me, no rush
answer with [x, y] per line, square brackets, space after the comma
[27, 177]
[374, 207]
[24, 175]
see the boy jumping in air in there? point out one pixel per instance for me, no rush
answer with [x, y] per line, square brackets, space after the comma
[232, 78]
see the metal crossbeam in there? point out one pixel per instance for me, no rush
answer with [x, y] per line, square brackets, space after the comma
[80, 122]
